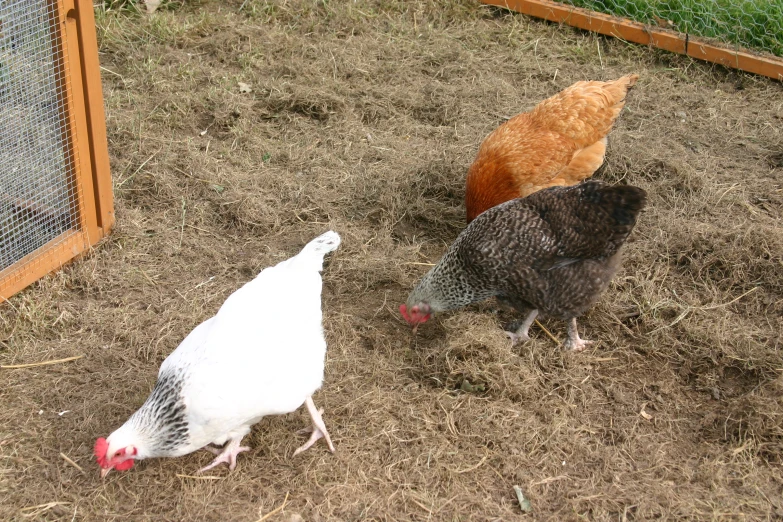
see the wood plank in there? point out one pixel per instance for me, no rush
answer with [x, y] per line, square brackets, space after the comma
[37, 264]
[95, 115]
[77, 120]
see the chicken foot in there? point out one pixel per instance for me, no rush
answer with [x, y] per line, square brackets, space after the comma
[521, 333]
[319, 428]
[574, 342]
[227, 455]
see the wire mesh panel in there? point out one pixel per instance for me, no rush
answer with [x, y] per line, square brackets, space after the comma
[37, 189]
[54, 200]
[751, 24]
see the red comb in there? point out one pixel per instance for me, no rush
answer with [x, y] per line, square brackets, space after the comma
[101, 447]
[404, 312]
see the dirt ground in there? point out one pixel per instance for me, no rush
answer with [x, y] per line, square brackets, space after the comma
[363, 117]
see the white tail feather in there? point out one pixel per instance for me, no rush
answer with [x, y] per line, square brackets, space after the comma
[323, 244]
[315, 250]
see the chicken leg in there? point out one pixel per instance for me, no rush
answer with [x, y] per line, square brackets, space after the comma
[574, 342]
[228, 455]
[521, 333]
[319, 428]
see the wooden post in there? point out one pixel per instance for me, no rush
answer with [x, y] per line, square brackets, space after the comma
[95, 116]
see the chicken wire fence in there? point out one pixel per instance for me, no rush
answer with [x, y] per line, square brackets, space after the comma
[41, 195]
[37, 193]
[753, 24]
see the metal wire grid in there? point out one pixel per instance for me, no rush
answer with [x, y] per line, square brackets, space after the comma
[38, 196]
[752, 24]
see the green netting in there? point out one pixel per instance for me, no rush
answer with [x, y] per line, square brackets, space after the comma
[752, 24]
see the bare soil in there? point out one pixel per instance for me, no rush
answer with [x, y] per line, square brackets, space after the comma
[363, 117]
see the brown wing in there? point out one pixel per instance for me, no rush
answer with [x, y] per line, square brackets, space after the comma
[559, 143]
[517, 159]
[590, 220]
[585, 111]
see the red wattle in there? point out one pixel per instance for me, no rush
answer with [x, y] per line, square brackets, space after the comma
[404, 312]
[124, 465]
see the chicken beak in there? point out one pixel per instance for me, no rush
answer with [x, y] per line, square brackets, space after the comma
[105, 472]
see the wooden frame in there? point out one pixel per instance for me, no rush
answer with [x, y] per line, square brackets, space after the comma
[76, 56]
[764, 65]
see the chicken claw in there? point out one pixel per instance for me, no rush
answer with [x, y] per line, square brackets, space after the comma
[228, 455]
[521, 334]
[318, 430]
[574, 342]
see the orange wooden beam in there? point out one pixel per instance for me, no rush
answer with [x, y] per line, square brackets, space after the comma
[96, 118]
[77, 122]
[770, 66]
[34, 266]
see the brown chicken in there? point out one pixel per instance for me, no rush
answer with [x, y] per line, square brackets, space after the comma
[559, 143]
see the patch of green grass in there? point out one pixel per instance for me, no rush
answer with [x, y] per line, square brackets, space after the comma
[755, 24]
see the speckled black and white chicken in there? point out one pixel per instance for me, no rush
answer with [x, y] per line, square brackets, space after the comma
[553, 252]
[261, 354]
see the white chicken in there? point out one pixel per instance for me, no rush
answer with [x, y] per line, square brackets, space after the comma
[261, 354]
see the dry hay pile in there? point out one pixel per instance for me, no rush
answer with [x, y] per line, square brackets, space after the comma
[363, 117]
